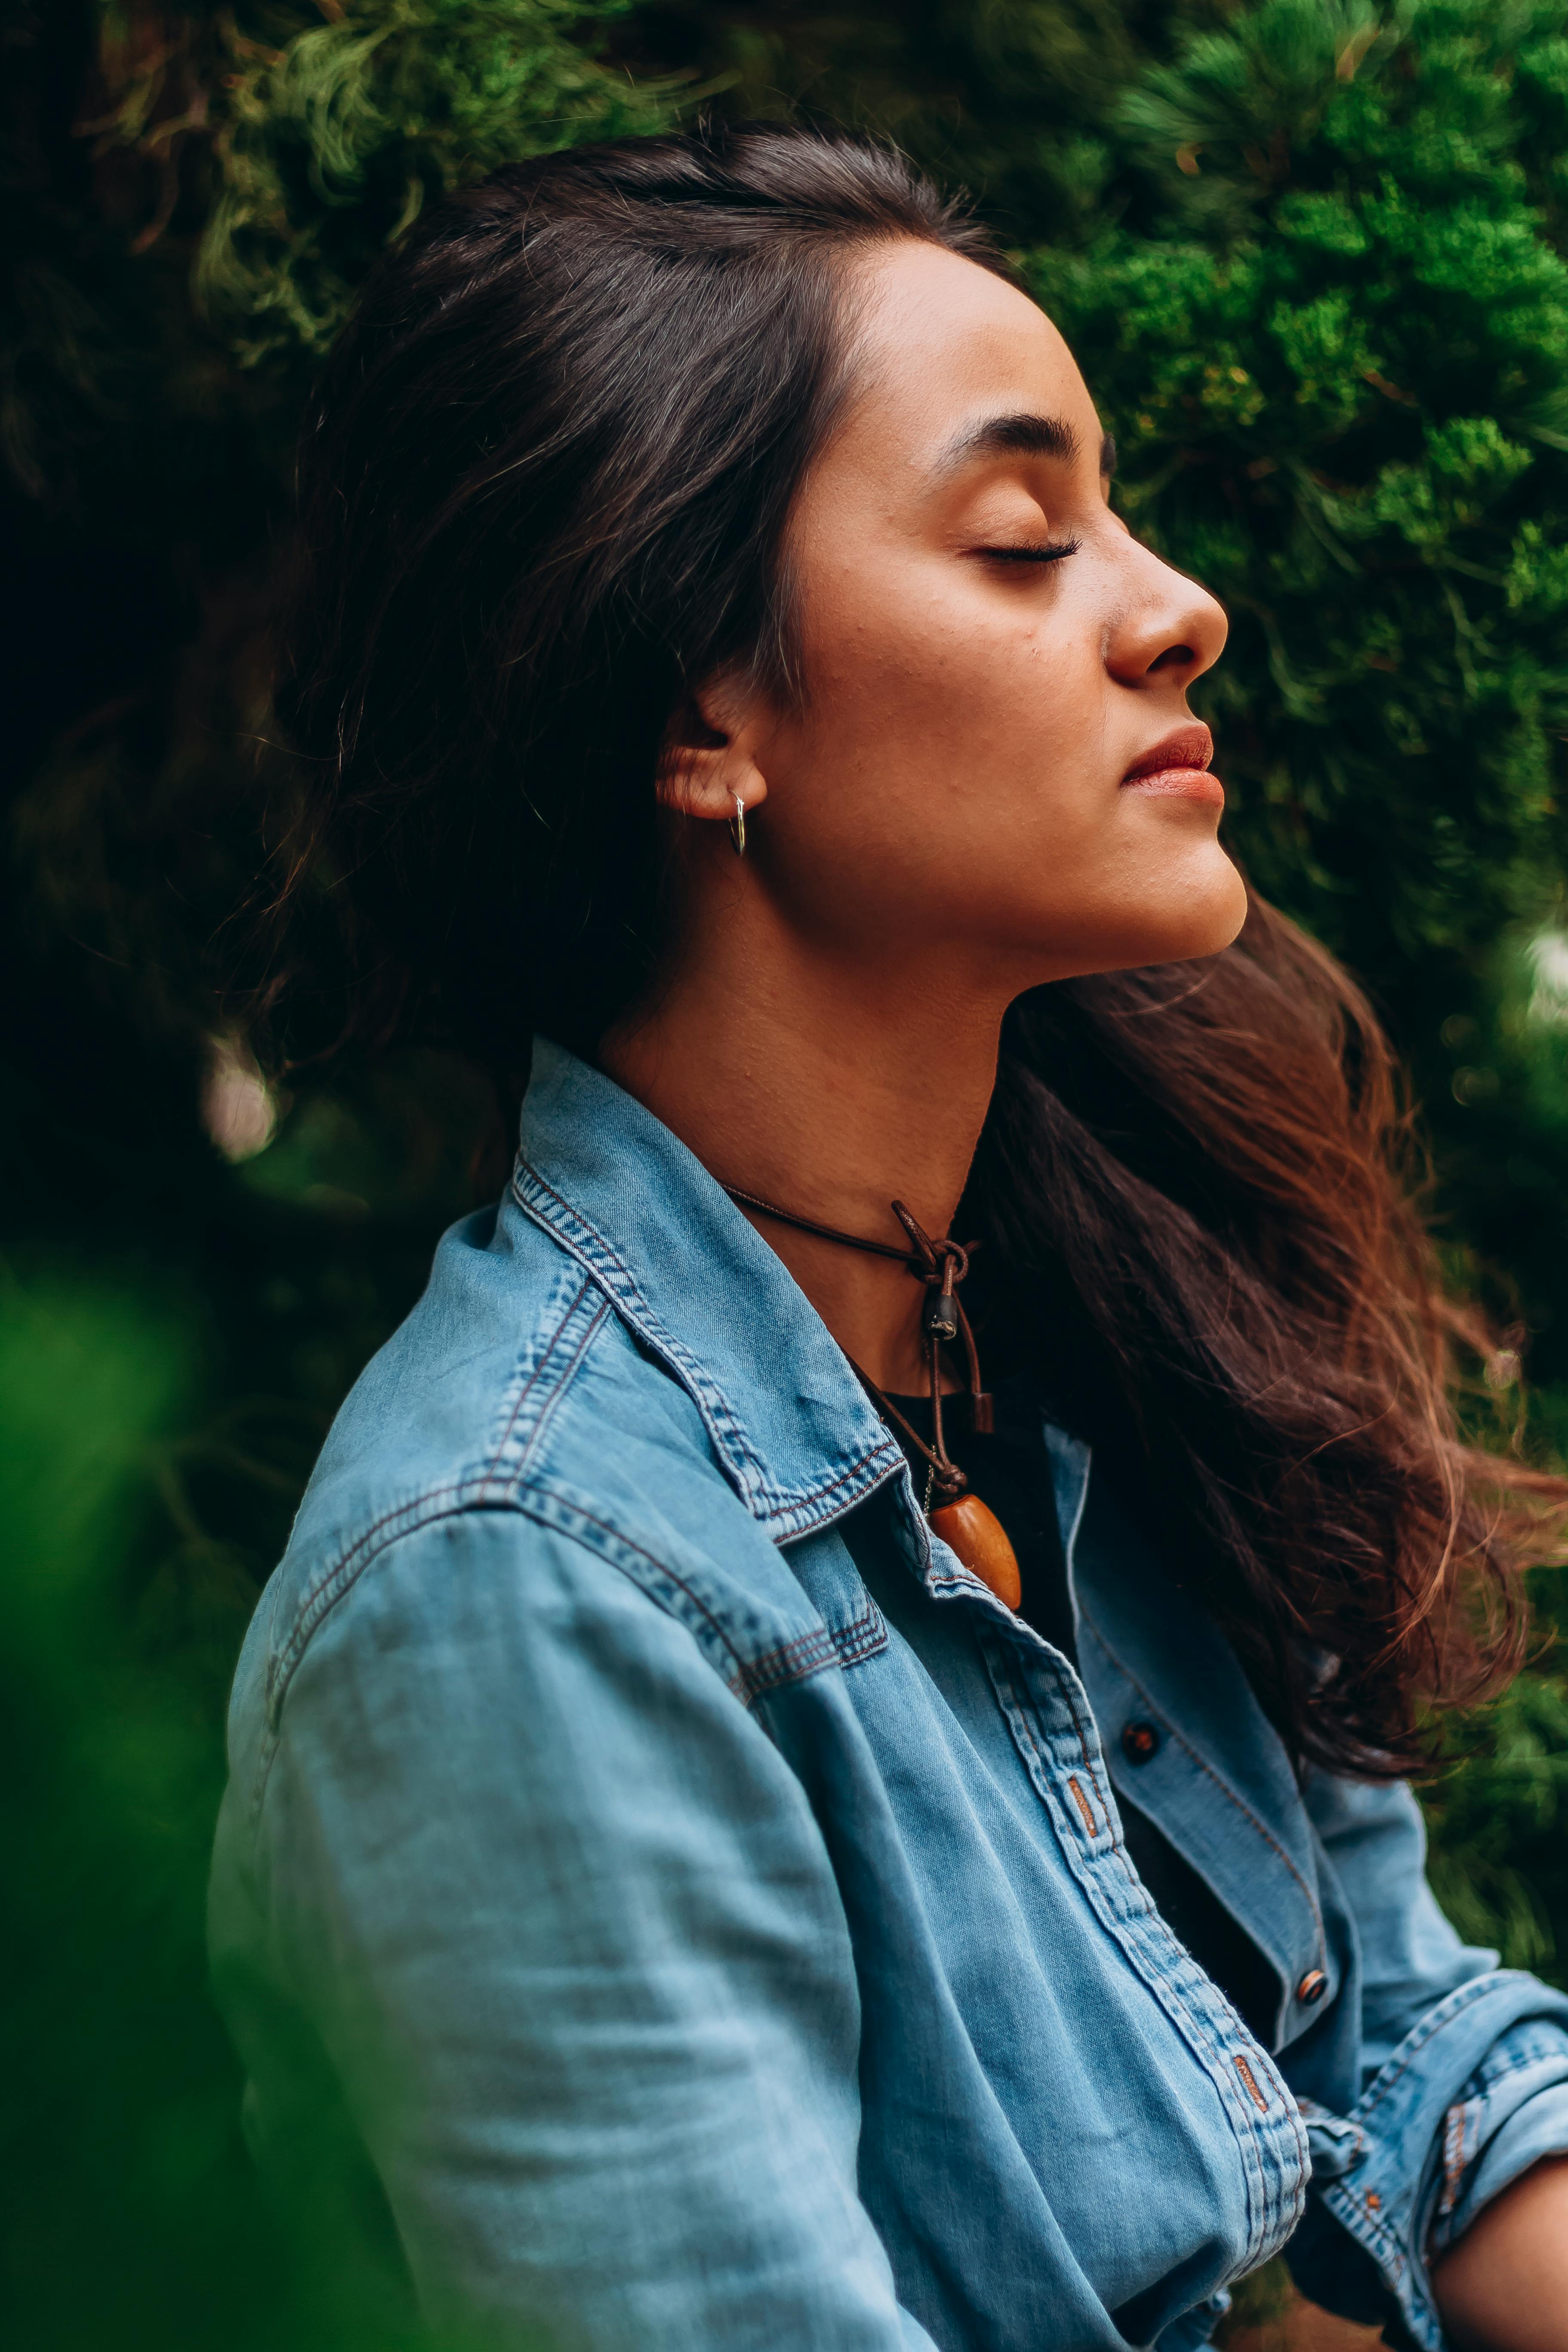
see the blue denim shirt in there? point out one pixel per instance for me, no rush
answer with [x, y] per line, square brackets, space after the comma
[703, 1908]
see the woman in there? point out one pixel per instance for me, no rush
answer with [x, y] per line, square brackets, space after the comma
[766, 1810]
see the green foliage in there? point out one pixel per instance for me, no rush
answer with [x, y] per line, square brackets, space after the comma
[146, 1486]
[1009, 97]
[1335, 368]
[334, 141]
[110, 1772]
[1499, 1861]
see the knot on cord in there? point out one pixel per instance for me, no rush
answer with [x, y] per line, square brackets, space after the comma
[941, 1266]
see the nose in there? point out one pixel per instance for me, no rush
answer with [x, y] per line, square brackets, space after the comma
[1169, 630]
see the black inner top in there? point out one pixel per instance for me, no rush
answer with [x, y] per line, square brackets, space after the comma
[1010, 1471]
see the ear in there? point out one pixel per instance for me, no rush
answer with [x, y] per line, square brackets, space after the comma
[709, 759]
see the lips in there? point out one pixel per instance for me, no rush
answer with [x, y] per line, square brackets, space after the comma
[1178, 763]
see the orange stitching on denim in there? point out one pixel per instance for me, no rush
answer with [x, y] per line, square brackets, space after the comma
[1455, 2159]
[1250, 2079]
[1081, 1801]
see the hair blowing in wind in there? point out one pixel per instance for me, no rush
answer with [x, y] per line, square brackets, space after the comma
[544, 488]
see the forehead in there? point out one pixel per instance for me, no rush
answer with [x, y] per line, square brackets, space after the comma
[942, 345]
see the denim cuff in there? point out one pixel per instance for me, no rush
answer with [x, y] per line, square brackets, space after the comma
[1450, 2116]
[1512, 2113]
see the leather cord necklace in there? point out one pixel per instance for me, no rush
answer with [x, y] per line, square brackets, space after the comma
[959, 1518]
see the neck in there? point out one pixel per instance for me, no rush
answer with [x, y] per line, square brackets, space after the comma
[827, 1091]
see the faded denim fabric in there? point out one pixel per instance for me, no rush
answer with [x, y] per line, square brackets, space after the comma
[660, 1882]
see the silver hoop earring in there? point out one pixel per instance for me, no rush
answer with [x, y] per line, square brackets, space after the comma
[738, 826]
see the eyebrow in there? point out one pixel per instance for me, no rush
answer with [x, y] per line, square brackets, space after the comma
[1023, 435]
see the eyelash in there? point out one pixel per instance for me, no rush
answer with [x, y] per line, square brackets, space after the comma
[1049, 551]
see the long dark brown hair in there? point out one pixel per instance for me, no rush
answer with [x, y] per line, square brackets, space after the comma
[543, 492]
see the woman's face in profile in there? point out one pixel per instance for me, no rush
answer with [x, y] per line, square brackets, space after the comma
[994, 752]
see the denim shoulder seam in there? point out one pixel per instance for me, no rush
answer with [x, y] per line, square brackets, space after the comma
[420, 1511]
[539, 1380]
[747, 1679]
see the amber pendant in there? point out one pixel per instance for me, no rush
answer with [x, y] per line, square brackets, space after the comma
[980, 1540]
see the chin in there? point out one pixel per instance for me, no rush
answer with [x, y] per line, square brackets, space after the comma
[1205, 913]
[1198, 917]
[1205, 932]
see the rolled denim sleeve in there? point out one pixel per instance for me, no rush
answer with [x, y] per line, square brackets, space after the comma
[566, 1929]
[1464, 2081]
[1513, 2112]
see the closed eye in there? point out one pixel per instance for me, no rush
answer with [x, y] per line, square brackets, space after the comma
[1047, 551]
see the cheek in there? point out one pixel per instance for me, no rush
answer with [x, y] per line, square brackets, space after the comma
[953, 776]
[925, 701]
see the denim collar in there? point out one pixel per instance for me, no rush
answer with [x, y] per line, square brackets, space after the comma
[800, 1443]
[792, 1429]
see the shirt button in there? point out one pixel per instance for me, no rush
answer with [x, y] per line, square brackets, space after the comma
[1139, 1742]
[1312, 1987]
